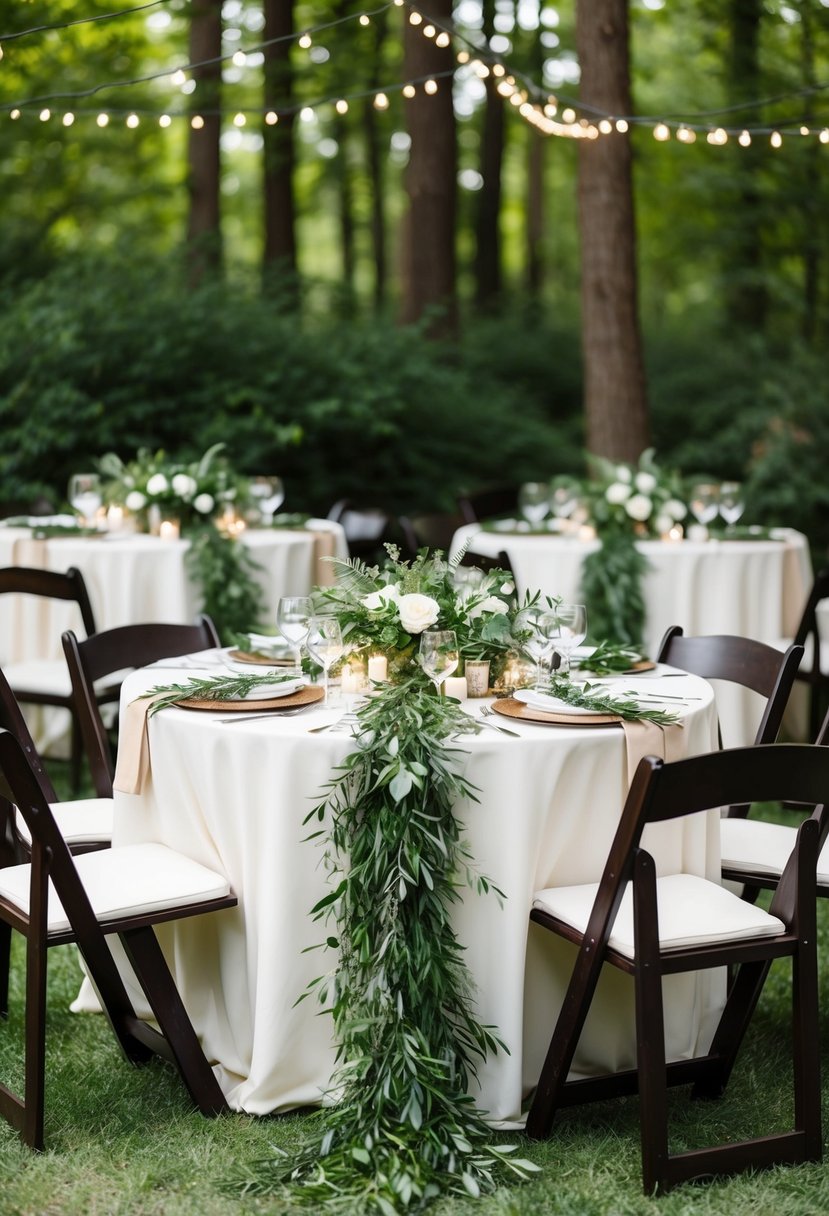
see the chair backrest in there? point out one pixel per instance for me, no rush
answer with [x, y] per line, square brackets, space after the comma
[114, 650]
[50, 584]
[743, 661]
[486, 503]
[429, 531]
[365, 527]
[12, 720]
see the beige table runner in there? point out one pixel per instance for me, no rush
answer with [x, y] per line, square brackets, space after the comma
[650, 739]
[133, 763]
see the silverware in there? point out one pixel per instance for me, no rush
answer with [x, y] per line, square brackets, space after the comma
[344, 721]
[264, 713]
[487, 713]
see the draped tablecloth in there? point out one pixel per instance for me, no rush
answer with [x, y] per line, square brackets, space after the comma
[139, 578]
[234, 797]
[751, 588]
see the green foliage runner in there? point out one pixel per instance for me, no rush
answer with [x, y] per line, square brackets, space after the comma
[403, 1128]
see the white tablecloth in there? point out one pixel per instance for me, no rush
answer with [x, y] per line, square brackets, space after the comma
[235, 796]
[751, 588]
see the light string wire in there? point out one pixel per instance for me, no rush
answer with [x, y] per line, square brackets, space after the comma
[64, 25]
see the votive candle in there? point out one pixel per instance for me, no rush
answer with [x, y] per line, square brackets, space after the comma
[349, 680]
[455, 686]
[169, 529]
[378, 668]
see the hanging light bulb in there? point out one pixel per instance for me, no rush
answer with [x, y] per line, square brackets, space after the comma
[381, 101]
[442, 39]
[776, 139]
[605, 126]
[132, 121]
[14, 114]
[271, 118]
[429, 31]
[178, 78]
[45, 115]
[197, 122]
[102, 120]
[430, 87]
[305, 41]
[164, 120]
[621, 124]
[824, 136]
[365, 19]
[239, 119]
[239, 59]
[68, 118]
[409, 90]
[661, 132]
[341, 106]
[415, 18]
[744, 139]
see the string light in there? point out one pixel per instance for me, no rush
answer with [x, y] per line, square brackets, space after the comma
[744, 139]
[409, 90]
[381, 101]
[271, 118]
[164, 120]
[430, 87]
[102, 120]
[14, 114]
[64, 25]
[341, 106]
[197, 122]
[414, 17]
[824, 136]
[45, 115]
[305, 41]
[365, 19]
[661, 132]
[239, 120]
[132, 121]
[68, 118]
[776, 139]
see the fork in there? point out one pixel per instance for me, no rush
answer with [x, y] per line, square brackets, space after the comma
[344, 721]
[487, 713]
[264, 713]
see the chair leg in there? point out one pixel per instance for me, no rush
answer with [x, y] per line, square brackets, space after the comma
[35, 1067]
[741, 1001]
[149, 964]
[806, 1049]
[650, 1031]
[75, 756]
[5, 960]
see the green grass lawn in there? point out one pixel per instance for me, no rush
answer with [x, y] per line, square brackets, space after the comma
[123, 1141]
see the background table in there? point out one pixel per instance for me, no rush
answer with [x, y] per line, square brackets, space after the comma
[752, 588]
[235, 796]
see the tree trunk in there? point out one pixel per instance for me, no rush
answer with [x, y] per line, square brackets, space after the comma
[375, 163]
[204, 239]
[280, 213]
[535, 212]
[746, 298]
[431, 183]
[488, 216]
[346, 208]
[614, 378]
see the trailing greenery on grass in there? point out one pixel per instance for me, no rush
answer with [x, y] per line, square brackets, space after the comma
[403, 1129]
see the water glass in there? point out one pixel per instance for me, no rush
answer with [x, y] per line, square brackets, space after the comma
[439, 655]
[325, 644]
[704, 502]
[534, 501]
[564, 496]
[85, 495]
[269, 494]
[570, 632]
[537, 628]
[293, 616]
[732, 503]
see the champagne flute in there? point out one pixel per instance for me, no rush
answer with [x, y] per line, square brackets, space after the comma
[538, 625]
[438, 654]
[325, 644]
[732, 503]
[269, 494]
[293, 615]
[85, 495]
[534, 501]
[570, 632]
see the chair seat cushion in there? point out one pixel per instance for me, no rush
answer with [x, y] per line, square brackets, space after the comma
[692, 912]
[82, 821]
[125, 881]
[763, 848]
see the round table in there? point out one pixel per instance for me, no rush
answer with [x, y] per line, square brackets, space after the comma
[234, 796]
[751, 588]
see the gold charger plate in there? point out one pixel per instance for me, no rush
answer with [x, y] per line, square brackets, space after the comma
[644, 665]
[303, 696]
[256, 657]
[510, 708]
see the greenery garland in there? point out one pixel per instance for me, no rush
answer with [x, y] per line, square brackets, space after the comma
[225, 572]
[611, 583]
[403, 1128]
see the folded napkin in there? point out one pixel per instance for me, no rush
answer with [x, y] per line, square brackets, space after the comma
[133, 763]
[268, 643]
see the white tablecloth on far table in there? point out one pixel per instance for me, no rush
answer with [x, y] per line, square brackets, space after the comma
[751, 588]
[235, 796]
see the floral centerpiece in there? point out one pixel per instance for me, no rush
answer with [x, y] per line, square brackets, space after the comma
[384, 612]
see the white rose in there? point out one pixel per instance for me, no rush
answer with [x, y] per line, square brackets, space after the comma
[490, 604]
[157, 484]
[379, 599]
[204, 503]
[623, 473]
[184, 485]
[663, 523]
[675, 508]
[135, 500]
[617, 492]
[645, 482]
[639, 507]
[417, 612]
[507, 588]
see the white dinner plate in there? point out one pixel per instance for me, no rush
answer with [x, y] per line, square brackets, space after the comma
[554, 705]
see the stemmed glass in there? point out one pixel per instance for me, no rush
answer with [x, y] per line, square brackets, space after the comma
[704, 502]
[467, 581]
[570, 632]
[539, 625]
[564, 496]
[269, 494]
[732, 503]
[534, 501]
[438, 654]
[85, 494]
[293, 615]
[325, 644]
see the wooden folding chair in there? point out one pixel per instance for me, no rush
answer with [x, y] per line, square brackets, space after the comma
[651, 927]
[487, 503]
[44, 681]
[56, 899]
[111, 650]
[814, 671]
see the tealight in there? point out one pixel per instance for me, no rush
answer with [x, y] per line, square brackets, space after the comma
[378, 668]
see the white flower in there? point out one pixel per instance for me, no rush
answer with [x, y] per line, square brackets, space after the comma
[184, 485]
[507, 588]
[378, 599]
[617, 492]
[204, 503]
[639, 507]
[417, 612]
[645, 482]
[135, 500]
[675, 508]
[663, 523]
[157, 484]
[490, 604]
[623, 473]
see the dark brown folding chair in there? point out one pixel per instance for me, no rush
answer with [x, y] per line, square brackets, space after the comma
[45, 681]
[57, 899]
[487, 503]
[366, 528]
[488, 564]
[127, 646]
[651, 927]
[429, 531]
[813, 672]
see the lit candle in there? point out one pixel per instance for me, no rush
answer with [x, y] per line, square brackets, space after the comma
[169, 529]
[378, 668]
[587, 532]
[456, 687]
[673, 534]
[349, 680]
[115, 518]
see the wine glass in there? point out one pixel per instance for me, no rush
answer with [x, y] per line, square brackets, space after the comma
[325, 644]
[704, 502]
[570, 632]
[732, 503]
[564, 496]
[534, 501]
[467, 581]
[85, 495]
[268, 493]
[538, 627]
[438, 654]
[293, 614]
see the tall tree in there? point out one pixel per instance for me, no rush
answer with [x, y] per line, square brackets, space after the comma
[429, 265]
[375, 163]
[488, 217]
[536, 156]
[280, 207]
[204, 238]
[614, 378]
